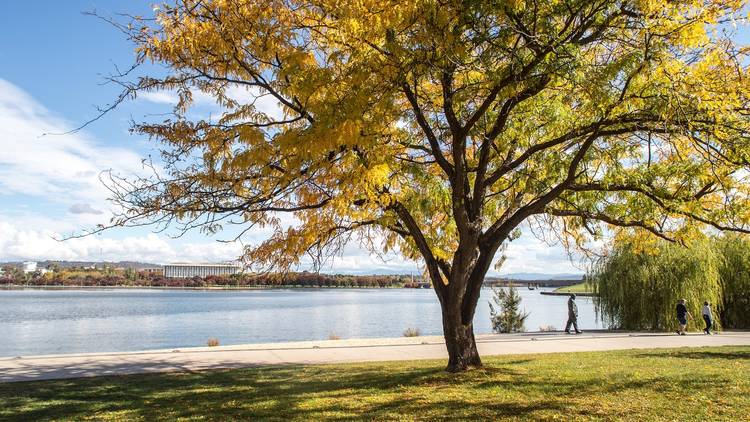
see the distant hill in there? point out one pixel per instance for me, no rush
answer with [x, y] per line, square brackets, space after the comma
[539, 279]
[541, 276]
[70, 264]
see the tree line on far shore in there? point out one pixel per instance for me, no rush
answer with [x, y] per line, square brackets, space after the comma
[108, 277]
[638, 285]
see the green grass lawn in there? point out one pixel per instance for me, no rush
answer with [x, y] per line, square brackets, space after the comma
[701, 384]
[576, 288]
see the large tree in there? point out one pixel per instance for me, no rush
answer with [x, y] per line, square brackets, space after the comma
[436, 128]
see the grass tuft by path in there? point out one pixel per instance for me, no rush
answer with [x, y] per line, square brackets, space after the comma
[665, 384]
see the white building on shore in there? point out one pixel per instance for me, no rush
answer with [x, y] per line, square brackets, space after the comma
[187, 270]
[29, 267]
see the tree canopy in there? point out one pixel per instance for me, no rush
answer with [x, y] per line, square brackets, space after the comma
[435, 128]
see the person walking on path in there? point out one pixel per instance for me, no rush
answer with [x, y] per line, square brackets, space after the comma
[572, 315]
[682, 315]
[707, 317]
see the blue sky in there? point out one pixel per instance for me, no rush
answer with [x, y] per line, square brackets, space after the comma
[53, 64]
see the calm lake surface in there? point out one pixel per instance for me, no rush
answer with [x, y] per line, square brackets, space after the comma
[34, 322]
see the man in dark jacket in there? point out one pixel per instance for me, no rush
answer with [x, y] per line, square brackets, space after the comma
[572, 315]
[682, 315]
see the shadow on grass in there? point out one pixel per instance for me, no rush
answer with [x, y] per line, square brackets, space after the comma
[519, 388]
[693, 354]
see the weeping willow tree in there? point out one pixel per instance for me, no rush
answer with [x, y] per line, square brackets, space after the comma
[638, 288]
[735, 281]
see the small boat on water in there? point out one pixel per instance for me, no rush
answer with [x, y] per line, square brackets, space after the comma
[532, 287]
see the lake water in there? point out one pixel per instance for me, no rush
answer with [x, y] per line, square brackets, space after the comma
[34, 322]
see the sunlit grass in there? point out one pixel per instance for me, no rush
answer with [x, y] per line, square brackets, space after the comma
[584, 287]
[673, 384]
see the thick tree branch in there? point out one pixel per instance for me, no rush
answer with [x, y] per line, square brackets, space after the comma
[484, 151]
[428, 132]
[659, 200]
[499, 230]
[434, 266]
[613, 221]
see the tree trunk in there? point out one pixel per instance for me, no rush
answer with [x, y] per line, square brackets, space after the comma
[459, 339]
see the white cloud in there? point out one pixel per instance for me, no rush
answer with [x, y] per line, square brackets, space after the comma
[17, 244]
[524, 255]
[263, 102]
[354, 259]
[32, 244]
[159, 97]
[84, 209]
[531, 255]
[58, 168]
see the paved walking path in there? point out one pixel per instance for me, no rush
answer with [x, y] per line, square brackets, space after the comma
[336, 351]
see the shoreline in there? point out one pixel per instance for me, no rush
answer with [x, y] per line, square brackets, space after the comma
[61, 366]
[240, 288]
[578, 294]
[369, 342]
[360, 342]
[216, 288]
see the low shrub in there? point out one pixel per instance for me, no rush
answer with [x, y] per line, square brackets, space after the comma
[412, 332]
[547, 328]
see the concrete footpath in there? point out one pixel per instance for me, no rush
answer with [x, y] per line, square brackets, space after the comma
[36, 368]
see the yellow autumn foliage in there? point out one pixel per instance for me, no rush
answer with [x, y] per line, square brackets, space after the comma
[437, 129]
